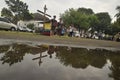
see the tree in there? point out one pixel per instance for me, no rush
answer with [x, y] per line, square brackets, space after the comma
[82, 18]
[72, 16]
[104, 21]
[17, 6]
[7, 13]
[27, 16]
[85, 11]
[118, 14]
[115, 27]
[19, 10]
[85, 18]
[117, 23]
[93, 21]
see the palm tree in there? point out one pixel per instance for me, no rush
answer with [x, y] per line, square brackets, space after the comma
[118, 14]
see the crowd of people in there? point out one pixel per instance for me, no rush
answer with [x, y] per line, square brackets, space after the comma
[59, 28]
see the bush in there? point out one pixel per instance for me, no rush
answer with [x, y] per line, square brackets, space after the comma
[31, 26]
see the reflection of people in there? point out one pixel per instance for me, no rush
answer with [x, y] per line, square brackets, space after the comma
[54, 25]
[51, 50]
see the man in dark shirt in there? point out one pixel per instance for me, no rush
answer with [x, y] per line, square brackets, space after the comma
[53, 25]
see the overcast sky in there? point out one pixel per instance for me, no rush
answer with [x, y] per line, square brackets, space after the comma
[55, 7]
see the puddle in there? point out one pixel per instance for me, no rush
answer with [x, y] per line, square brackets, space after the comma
[33, 61]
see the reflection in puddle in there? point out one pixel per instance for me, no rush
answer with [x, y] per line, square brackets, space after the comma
[47, 62]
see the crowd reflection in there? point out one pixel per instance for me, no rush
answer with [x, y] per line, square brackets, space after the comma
[68, 56]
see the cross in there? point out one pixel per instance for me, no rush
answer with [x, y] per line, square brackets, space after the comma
[44, 13]
[45, 9]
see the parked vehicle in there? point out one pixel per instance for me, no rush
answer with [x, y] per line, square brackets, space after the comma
[5, 24]
[24, 29]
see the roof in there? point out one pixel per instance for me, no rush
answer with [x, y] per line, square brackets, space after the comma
[38, 16]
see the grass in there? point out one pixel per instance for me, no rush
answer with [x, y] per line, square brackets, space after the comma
[34, 36]
[37, 35]
[16, 33]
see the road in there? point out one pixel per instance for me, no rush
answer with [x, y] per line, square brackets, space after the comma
[57, 40]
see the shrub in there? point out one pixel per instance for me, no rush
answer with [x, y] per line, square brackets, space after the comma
[31, 26]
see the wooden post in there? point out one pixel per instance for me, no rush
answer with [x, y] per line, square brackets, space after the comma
[45, 9]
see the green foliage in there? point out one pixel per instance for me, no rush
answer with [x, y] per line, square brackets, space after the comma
[117, 23]
[85, 11]
[104, 21]
[81, 17]
[118, 14]
[27, 16]
[17, 9]
[85, 18]
[17, 6]
[31, 26]
[93, 21]
[6, 12]
[115, 27]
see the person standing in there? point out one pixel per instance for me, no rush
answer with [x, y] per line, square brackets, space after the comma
[59, 29]
[63, 30]
[53, 25]
[71, 31]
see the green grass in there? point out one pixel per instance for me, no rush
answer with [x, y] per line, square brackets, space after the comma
[15, 33]
[35, 35]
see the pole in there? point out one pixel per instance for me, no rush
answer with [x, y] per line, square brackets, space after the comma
[45, 8]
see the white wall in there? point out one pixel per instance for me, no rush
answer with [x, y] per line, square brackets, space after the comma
[25, 23]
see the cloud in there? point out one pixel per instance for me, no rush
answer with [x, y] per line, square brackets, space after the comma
[55, 7]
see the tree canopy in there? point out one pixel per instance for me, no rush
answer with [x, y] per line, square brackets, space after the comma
[72, 16]
[85, 11]
[17, 9]
[116, 25]
[104, 21]
[118, 14]
[85, 18]
[7, 13]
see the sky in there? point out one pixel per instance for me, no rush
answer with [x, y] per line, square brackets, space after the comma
[55, 7]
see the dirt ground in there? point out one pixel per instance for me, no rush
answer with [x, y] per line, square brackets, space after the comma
[57, 40]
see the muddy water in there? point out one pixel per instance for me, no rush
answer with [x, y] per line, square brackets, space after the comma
[19, 61]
